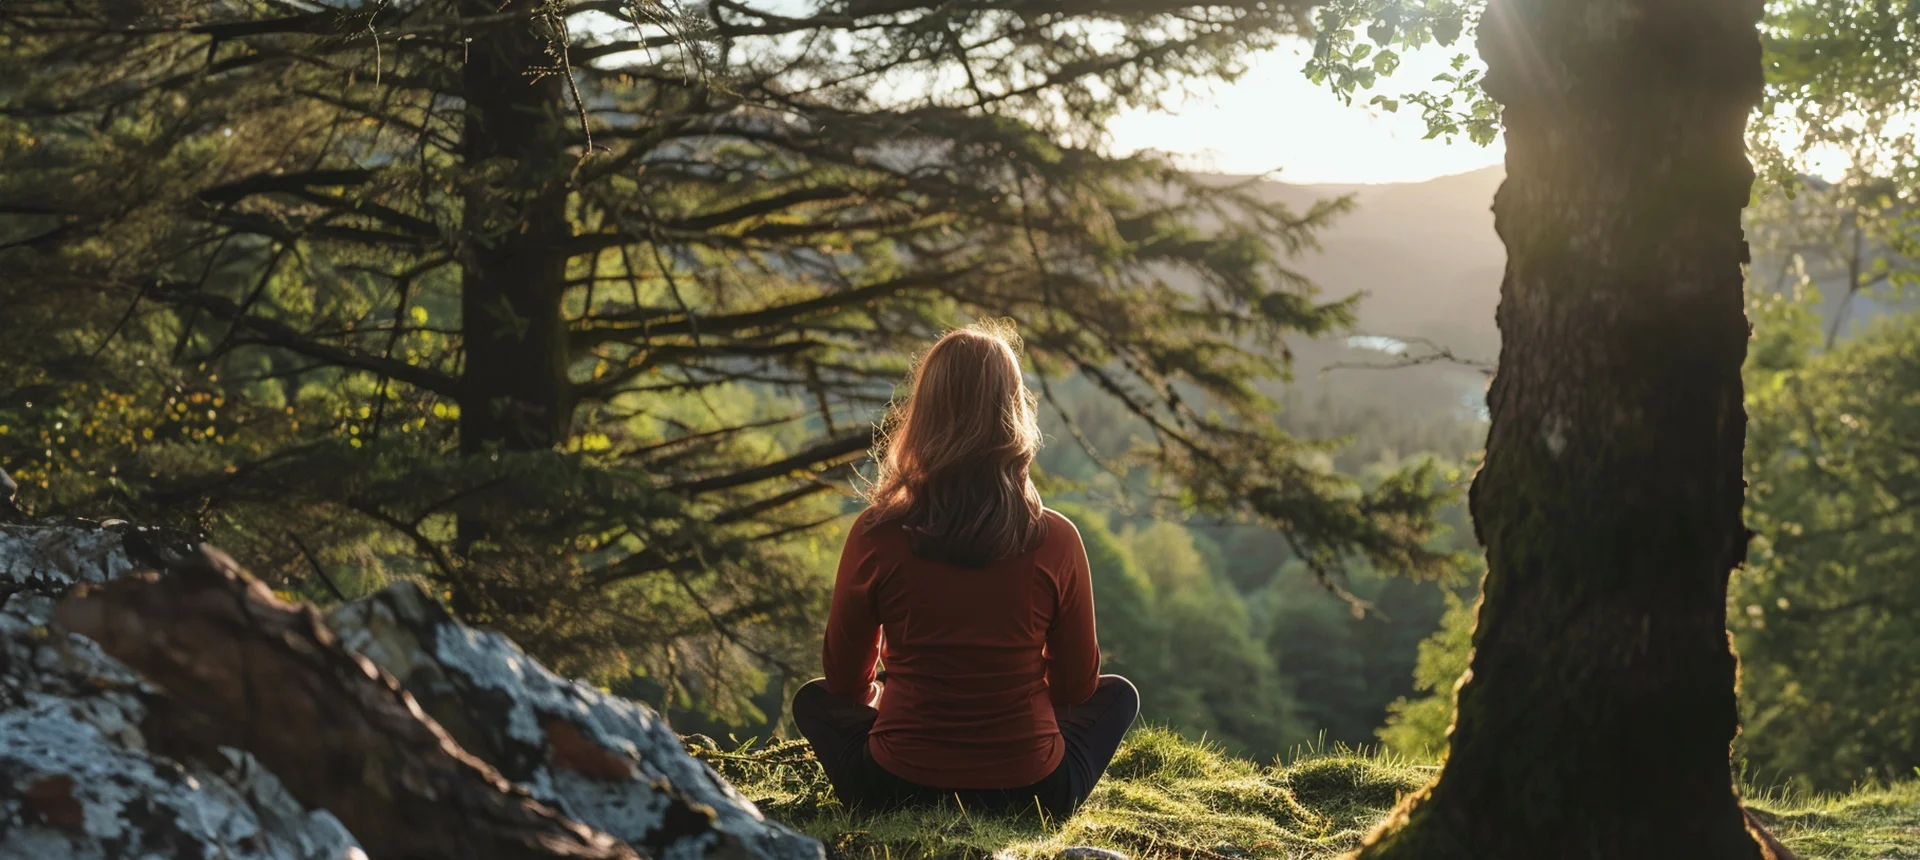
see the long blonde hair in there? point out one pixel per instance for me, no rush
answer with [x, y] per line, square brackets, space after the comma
[955, 456]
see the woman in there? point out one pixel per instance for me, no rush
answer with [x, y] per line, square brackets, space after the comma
[978, 600]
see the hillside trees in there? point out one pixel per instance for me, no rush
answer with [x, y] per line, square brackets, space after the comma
[1841, 236]
[1599, 704]
[1173, 626]
[1315, 671]
[1416, 727]
[1824, 611]
[583, 311]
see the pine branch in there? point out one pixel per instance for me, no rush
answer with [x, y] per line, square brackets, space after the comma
[660, 322]
[261, 331]
[823, 452]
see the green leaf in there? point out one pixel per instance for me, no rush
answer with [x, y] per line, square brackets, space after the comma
[1386, 63]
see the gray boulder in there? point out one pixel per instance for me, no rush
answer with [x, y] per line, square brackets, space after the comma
[77, 777]
[607, 762]
[80, 777]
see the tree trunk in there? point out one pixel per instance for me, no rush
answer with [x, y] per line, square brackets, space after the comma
[515, 392]
[1596, 716]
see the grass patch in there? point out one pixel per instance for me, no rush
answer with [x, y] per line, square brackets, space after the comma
[1166, 798]
[1870, 823]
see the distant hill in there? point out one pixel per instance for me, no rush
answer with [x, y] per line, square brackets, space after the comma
[1429, 264]
[1424, 254]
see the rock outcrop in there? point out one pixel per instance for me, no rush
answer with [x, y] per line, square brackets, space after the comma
[78, 776]
[390, 710]
[607, 762]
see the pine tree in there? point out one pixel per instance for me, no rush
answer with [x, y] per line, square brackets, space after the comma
[584, 310]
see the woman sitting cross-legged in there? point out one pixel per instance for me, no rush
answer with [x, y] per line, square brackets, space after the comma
[979, 602]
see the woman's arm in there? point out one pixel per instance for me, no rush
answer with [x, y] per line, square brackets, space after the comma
[852, 645]
[1073, 649]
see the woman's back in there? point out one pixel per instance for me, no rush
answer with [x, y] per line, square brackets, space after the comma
[976, 657]
[979, 598]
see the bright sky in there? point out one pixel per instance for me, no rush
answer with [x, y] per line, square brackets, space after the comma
[1274, 118]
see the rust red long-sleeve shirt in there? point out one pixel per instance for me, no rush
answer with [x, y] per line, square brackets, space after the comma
[976, 658]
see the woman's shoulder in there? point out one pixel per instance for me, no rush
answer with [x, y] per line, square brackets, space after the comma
[1060, 530]
[873, 525]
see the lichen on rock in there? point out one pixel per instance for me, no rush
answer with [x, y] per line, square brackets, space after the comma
[71, 790]
[77, 779]
[83, 774]
[607, 762]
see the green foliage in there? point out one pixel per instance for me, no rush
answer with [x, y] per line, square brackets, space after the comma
[1842, 78]
[584, 316]
[1226, 629]
[1417, 728]
[1358, 44]
[1230, 635]
[1344, 668]
[1217, 681]
[1169, 623]
[1786, 331]
[1823, 613]
[1167, 798]
[1836, 245]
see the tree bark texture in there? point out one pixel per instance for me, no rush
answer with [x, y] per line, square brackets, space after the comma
[242, 669]
[515, 392]
[1597, 713]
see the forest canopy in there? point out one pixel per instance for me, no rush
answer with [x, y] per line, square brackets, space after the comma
[584, 312]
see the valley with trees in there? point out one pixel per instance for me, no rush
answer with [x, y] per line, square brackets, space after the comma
[1564, 508]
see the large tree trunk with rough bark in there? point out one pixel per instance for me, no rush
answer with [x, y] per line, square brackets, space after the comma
[1596, 717]
[515, 392]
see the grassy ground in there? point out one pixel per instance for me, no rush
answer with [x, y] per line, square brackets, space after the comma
[1166, 798]
[1873, 822]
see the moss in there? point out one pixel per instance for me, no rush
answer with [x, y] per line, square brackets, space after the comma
[1169, 798]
